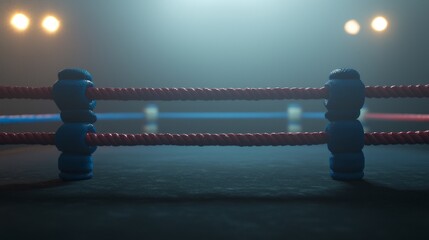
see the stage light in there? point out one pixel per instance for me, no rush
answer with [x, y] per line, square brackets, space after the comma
[20, 22]
[51, 24]
[352, 27]
[379, 24]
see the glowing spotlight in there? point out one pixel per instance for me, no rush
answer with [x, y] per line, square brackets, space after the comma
[20, 22]
[51, 24]
[352, 27]
[379, 24]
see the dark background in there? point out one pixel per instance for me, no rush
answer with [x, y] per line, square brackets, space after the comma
[215, 43]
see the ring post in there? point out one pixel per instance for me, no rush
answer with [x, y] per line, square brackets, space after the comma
[344, 132]
[151, 115]
[75, 162]
[294, 115]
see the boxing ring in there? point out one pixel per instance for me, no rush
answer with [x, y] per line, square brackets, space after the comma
[344, 94]
[192, 192]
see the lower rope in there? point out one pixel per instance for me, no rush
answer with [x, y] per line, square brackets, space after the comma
[223, 139]
[40, 138]
[388, 138]
[206, 139]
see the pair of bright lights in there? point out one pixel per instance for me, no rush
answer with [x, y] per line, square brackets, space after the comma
[21, 22]
[51, 24]
[378, 24]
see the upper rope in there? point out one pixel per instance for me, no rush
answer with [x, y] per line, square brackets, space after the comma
[206, 94]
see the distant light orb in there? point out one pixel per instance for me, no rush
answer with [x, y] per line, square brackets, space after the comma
[20, 22]
[352, 27]
[51, 24]
[379, 24]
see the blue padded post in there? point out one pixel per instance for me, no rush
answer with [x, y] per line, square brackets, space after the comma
[346, 96]
[70, 138]
[69, 95]
[75, 162]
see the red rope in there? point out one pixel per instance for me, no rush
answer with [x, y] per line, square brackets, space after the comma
[398, 117]
[168, 94]
[389, 138]
[206, 139]
[223, 139]
[26, 92]
[410, 91]
[42, 138]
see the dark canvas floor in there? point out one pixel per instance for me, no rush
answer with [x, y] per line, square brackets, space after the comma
[215, 193]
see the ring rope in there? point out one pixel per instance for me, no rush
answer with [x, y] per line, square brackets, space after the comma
[390, 138]
[34, 118]
[13, 92]
[207, 139]
[40, 138]
[401, 91]
[169, 94]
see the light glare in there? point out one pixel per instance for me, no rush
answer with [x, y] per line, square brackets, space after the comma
[352, 27]
[51, 24]
[20, 22]
[379, 24]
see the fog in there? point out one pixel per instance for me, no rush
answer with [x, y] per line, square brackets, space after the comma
[215, 43]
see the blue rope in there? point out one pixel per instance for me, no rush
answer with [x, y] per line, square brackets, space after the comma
[313, 115]
[30, 118]
[222, 115]
[15, 119]
[120, 116]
